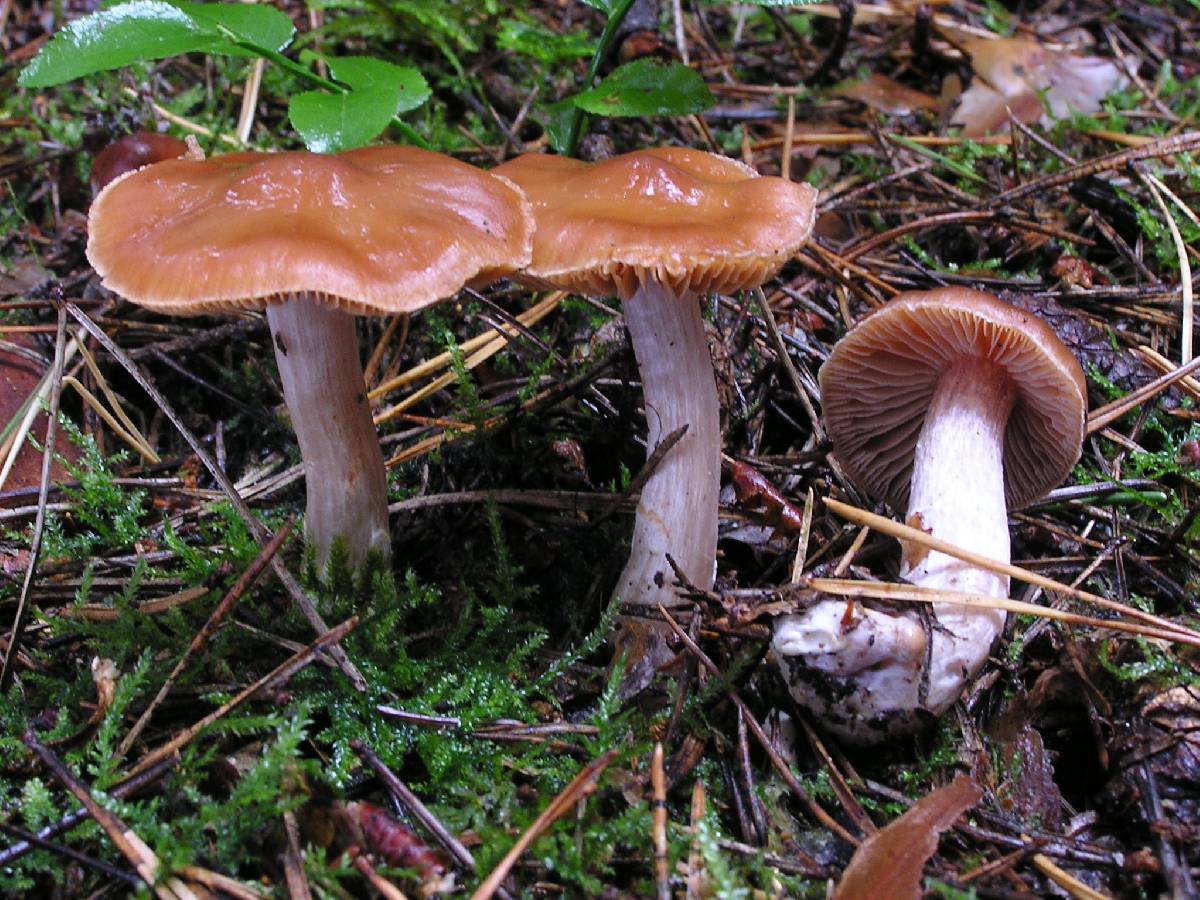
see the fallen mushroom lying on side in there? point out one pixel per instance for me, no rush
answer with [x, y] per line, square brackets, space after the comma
[955, 406]
[659, 228]
[379, 230]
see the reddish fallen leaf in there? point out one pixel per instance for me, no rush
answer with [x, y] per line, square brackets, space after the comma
[886, 95]
[19, 378]
[756, 493]
[391, 842]
[891, 863]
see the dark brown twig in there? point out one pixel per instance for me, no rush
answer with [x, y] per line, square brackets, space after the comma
[277, 675]
[777, 761]
[413, 804]
[235, 594]
[129, 844]
[303, 602]
[119, 791]
[70, 853]
[580, 787]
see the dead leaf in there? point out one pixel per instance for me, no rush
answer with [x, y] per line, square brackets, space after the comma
[1013, 73]
[19, 379]
[913, 554]
[886, 95]
[890, 863]
[105, 675]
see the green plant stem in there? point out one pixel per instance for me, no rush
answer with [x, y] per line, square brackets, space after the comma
[306, 74]
[575, 135]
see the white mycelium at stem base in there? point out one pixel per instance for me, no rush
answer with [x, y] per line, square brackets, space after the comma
[677, 512]
[319, 367]
[874, 674]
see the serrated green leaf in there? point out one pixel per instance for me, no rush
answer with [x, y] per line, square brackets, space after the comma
[378, 90]
[646, 87]
[152, 29]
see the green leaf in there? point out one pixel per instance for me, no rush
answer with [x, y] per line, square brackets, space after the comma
[645, 87]
[377, 91]
[605, 6]
[254, 23]
[557, 118]
[152, 29]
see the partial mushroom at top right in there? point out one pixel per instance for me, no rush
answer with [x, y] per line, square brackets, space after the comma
[954, 406]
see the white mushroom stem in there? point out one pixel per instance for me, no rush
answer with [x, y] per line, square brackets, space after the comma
[319, 366]
[677, 512]
[865, 671]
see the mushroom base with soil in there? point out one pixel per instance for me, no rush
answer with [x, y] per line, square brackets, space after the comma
[866, 672]
[317, 354]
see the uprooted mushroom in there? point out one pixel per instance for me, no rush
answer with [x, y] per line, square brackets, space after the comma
[955, 406]
[379, 230]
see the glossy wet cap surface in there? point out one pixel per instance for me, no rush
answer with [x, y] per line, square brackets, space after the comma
[692, 220]
[379, 229]
[880, 378]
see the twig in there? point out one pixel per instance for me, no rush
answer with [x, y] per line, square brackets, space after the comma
[280, 673]
[580, 787]
[39, 523]
[658, 783]
[1185, 269]
[846, 15]
[845, 796]
[386, 889]
[805, 534]
[1063, 878]
[240, 587]
[222, 883]
[245, 120]
[634, 490]
[411, 718]
[882, 590]
[1180, 143]
[923, 539]
[129, 844]
[261, 534]
[119, 791]
[695, 865]
[293, 860]
[777, 761]
[1110, 412]
[785, 360]
[571, 501]
[414, 805]
[528, 318]
[70, 853]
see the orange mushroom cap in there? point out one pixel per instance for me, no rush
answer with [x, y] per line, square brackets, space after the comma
[378, 230]
[879, 379]
[689, 219]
